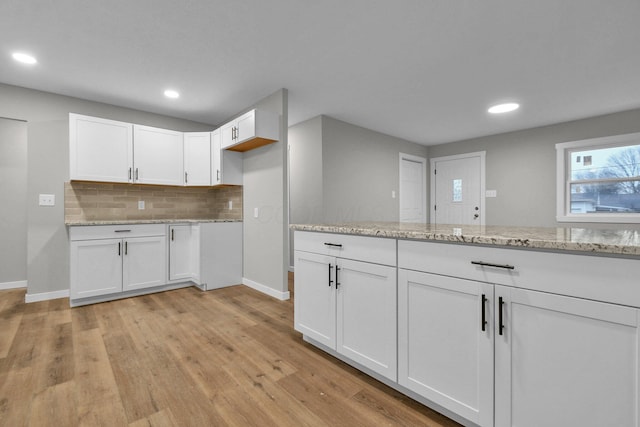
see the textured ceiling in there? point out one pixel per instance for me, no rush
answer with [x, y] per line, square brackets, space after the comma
[421, 70]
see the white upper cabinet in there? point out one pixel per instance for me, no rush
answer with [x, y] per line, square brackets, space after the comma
[158, 156]
[251, 130]
[226, 166]
[100, 149]
[197, 158]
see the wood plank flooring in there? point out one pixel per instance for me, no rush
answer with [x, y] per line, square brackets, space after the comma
[228, 357]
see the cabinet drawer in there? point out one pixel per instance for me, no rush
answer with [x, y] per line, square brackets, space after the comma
[91, 232]
[585, 276]
[369, 249]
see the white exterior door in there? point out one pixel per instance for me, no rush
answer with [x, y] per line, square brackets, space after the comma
[413, 194]
[563, 361]
[457, 189]
[366, 315]
[445, 342]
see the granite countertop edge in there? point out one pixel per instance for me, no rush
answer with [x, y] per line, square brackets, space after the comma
[510, 239]
[145, 221]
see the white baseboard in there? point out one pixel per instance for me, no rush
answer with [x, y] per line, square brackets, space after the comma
[44, 296]
[282, 296]
[13, 285]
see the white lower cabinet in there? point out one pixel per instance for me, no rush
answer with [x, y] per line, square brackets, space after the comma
[104, 261]
[348, 305]
[220, 254]
[144, 262]
[564, 361]
[184, 244]
[445, 342]
[542, 359]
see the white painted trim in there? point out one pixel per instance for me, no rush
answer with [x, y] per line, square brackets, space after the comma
[282, 296]
[13, 285]
[45, 296]
[423, 161]
[482, 155]
[563, 208]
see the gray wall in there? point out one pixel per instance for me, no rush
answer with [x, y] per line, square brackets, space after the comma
[266, 244]
[13, 201]
[521, 166]
[344, 173]
[47, 117]
[360, 169]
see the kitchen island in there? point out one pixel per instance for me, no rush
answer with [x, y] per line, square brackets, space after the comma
[493, 326]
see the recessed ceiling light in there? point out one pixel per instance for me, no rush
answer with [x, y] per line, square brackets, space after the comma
[170, 93]
[24, 58]
[503, 108]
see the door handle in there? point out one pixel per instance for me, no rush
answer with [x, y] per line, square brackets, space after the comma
[337, 281]
[126, 248]
[475, 216]
[330, 281]
[483, 301]
[500, 323]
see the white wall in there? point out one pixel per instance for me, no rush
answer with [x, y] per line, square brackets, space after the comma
[47, 117]
[13, 203]
[521, 166]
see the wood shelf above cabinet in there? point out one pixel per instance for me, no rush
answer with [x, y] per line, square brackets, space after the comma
[251, 144]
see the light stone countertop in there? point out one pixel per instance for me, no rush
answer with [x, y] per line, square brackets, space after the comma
[145, 221]
[590, 240]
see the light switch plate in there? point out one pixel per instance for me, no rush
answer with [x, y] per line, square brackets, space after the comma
[47, 200]
[230, 204]
[255, 212]
[491, 193]
[140, 205]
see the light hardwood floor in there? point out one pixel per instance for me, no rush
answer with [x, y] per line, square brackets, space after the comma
[181, 358]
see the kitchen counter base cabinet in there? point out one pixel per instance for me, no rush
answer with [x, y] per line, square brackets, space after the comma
[345, 304]
[184, 252]
[220, 255]
[107, 260]
[445, 348]
[565, 361]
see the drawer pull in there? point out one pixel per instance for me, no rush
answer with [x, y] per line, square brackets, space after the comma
[488, 264]
[335, 245]
[123, 231]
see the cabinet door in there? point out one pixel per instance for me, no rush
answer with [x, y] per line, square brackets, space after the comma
[144, 262]
[246, 126]
[227, 133]
[216, 157]
[444, 353]
[180, 252]
[315, 301]
[563, 361]
[366, 315]
[197, 158]
[158, 156]
[96, 267]
[100, 149]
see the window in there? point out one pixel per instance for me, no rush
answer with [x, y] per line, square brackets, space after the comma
[599, 180]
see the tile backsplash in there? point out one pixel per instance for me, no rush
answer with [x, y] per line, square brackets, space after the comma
[87, 201]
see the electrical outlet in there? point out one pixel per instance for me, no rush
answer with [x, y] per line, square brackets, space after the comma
[140, 205]
[230, 204]
[393, 194]
[255, 212]
[47, 200]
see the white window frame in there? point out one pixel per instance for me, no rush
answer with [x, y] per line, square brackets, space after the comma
[563, 192]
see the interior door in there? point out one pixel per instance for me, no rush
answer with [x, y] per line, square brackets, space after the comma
[457, 189]
[413, 188]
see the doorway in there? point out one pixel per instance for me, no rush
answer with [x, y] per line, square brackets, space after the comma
[457, 189]
[413, 184]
